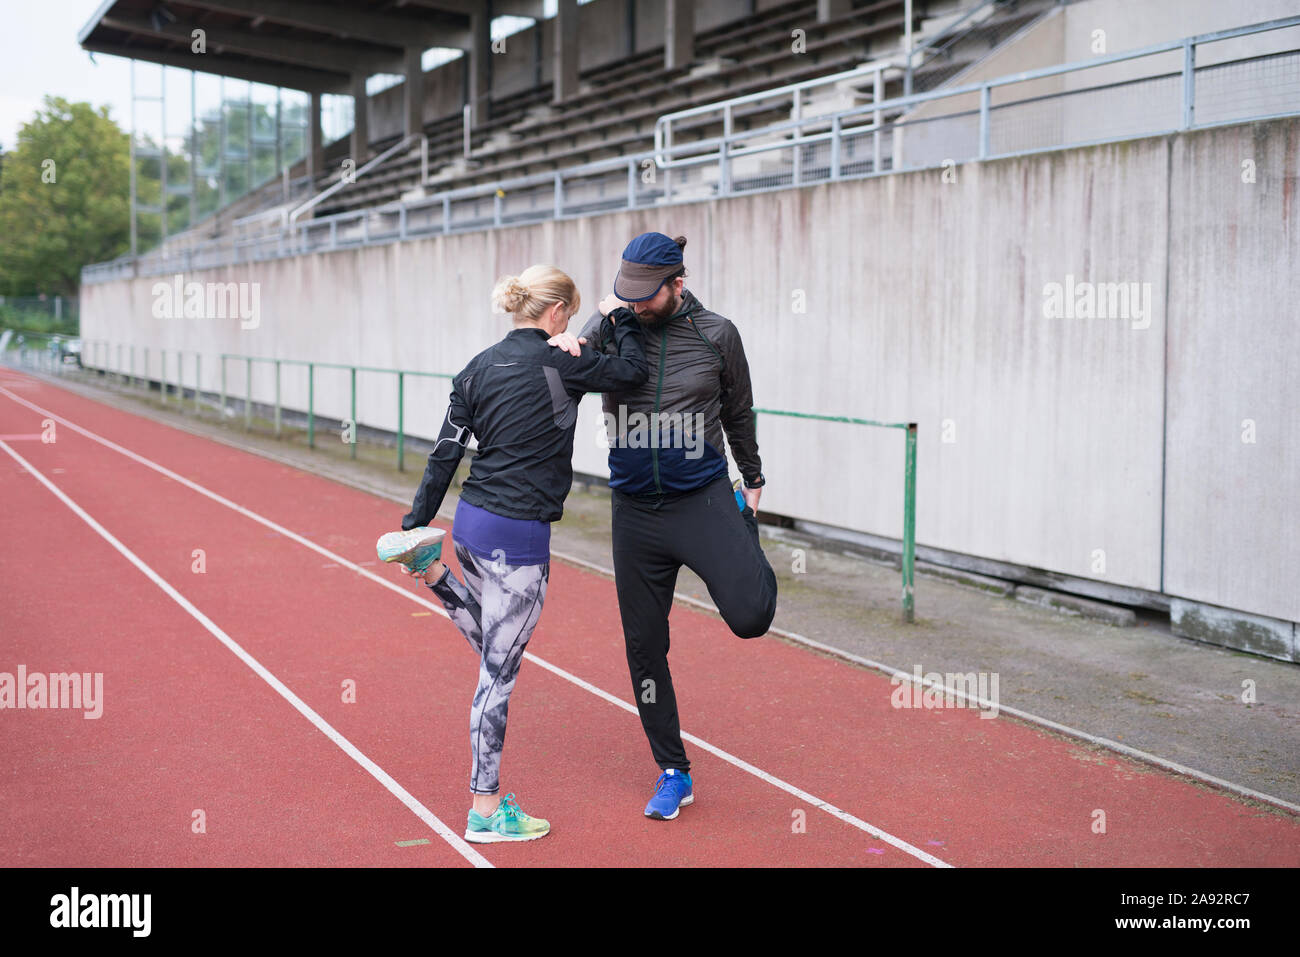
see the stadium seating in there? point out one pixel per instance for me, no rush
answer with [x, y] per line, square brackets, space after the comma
[614, 112]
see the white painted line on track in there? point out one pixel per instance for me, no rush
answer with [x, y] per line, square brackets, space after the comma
[1135, 753]
[743, 765]
[375, 771]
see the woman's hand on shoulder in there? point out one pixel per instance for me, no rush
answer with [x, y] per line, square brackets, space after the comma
[568, 342]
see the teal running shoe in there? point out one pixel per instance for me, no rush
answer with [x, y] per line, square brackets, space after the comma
[417, 549]
[673, 791]
[507, 823]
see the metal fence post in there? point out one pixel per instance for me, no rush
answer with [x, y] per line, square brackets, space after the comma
[354, 412]
[147, 383]
[631, 184]
[162, 375]
[796, 169]
[248, 394]
[198, 381]
[559, 195]
[223, 387]
[133, 365]
[401, 431]
[277, 398]
[985, 99]
[1189, 83]
[835, 147]
[311, 405]
[909, 521]
[877, 94]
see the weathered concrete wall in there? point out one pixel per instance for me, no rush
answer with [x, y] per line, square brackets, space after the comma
[1043, 441]
[1232, 442]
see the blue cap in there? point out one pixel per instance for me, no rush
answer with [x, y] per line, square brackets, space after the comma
[648, 260]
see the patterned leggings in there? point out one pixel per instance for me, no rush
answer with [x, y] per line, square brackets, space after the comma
[496, 609]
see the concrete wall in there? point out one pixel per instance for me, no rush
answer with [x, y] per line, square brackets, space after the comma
[1056, 443]
[1234, 339]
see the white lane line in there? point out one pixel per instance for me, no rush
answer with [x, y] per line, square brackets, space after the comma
[560, 672]
[378, 773]
[976, 701]
[1144, 756]
[759, 773]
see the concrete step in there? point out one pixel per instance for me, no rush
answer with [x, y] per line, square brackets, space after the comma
[1074, 605]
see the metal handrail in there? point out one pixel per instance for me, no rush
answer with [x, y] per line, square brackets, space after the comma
[947, 32]
[312, 366]
[349, 180]
[874, 69]
[909, 487]
[663, 125]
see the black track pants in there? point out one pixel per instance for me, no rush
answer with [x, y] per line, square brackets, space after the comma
[704, 531]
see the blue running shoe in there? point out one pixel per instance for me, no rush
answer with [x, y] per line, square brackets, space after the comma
[673, 791]
[417, 549]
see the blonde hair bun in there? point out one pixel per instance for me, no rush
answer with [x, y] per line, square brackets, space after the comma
[533, 291]
[509, 295]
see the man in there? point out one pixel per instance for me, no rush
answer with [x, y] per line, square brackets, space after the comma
[673, 503]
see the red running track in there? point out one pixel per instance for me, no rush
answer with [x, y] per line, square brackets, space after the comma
[187, 725]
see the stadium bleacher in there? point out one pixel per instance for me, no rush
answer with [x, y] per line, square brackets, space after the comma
[615, 111]
[612, 115]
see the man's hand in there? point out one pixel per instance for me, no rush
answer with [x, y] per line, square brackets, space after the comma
[751, 497]
[609, 304]
[568, 342]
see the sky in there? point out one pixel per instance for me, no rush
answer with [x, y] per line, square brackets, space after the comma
[39, 55]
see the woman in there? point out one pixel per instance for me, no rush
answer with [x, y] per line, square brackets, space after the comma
[519, 399]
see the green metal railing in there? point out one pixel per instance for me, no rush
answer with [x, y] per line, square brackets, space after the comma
[909, 488]
[102, 350]
[311, 367]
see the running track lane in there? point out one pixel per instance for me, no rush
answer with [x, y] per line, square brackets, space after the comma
[185, 725]
[968, 789]
[410, 713]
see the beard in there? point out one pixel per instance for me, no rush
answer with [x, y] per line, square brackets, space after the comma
[653, 319]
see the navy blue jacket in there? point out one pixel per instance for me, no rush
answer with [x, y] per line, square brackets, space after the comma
[670, 427]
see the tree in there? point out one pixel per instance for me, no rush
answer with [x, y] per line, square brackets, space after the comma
[64, 198]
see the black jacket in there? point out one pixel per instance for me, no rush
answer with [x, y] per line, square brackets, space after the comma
[698, 373]
[519, 398]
